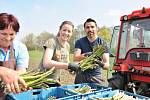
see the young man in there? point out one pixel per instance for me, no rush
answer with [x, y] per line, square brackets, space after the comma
[84, 46]
[14, 56]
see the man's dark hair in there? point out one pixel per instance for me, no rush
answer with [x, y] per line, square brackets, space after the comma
[8, 20]
[90, 20]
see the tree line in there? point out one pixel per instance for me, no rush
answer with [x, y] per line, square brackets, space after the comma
[34, 42]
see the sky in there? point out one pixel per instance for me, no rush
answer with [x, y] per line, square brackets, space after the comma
[37, 16]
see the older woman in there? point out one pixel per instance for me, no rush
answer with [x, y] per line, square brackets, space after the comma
[14, 56]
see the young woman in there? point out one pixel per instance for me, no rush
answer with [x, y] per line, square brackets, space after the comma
[57, 50]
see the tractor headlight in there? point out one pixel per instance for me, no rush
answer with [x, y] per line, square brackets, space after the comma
[125, 17]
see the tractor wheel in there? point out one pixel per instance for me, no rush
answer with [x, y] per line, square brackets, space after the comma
[117, 81]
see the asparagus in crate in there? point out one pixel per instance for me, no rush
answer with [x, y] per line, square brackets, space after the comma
[91, 61]
[84, 89]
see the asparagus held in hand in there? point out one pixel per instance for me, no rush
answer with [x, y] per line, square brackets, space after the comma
[90, 62]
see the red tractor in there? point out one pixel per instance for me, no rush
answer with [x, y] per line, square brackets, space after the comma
[131, 42]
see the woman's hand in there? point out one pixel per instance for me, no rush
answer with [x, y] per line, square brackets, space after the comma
[11, 79]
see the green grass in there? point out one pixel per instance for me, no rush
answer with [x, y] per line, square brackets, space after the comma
[35, 58]
[35, 55]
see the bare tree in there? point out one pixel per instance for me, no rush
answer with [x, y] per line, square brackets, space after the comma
[42, 38]
[29, 41]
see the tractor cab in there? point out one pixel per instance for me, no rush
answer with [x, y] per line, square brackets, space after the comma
[131, 47]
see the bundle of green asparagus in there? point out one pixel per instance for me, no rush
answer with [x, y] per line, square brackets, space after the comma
[91, 61]
[38, 79]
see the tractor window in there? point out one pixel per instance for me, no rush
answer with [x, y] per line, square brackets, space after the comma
[135, 34]
[114, 40]
[124, 39]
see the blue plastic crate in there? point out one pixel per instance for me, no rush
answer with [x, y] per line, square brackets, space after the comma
[85, 96]
[41, 94]
[31, 95]
[110, 94]
[94, 87]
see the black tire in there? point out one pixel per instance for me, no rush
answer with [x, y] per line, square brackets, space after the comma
[117, 81]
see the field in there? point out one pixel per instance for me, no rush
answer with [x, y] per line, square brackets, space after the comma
[35, 59]
[66, 77]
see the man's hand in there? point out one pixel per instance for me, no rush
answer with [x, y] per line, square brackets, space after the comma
[88, 54]
[73, 67]
[12, 80]
[100, 64]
